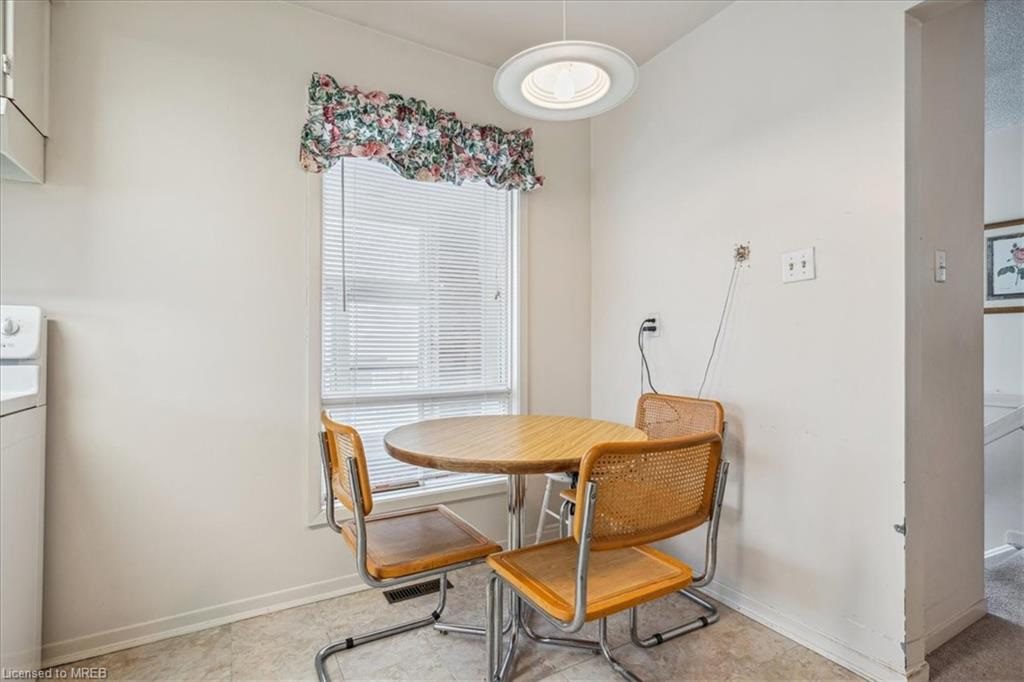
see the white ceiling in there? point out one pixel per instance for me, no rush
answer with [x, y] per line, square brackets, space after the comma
[491, 31]
[1004, 63]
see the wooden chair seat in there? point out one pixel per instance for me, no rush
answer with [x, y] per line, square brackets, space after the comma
[568, 494]
[617, 579]
[416, 540]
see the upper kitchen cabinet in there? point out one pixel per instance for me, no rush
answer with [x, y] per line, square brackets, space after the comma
[24, 98]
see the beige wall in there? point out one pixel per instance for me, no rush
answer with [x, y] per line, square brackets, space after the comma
[169, 249]
[946, 70]
[780, 124]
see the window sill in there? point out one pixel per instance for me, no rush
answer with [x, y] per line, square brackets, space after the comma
[419, 497]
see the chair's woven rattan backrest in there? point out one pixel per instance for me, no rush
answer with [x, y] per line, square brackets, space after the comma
[648, 490]
[343, 442]
[671, 416]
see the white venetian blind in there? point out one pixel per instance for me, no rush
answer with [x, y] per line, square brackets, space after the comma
[417, 312]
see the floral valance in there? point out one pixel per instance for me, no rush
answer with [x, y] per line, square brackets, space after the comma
[415, 140]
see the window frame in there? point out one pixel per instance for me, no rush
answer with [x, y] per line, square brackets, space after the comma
[459, 489]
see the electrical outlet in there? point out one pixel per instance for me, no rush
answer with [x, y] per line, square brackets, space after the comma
[798, 266]
[657, 324]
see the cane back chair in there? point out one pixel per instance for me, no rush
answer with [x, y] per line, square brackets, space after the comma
[607, 566]
[669, 416]
[395, 548]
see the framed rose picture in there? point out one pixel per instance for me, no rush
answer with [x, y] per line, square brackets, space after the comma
[1004, 267]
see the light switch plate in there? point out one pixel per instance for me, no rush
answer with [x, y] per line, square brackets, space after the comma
[798, 266]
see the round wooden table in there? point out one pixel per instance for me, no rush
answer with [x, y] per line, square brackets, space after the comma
[515, 445]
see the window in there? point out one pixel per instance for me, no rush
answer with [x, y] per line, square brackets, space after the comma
[418, 307]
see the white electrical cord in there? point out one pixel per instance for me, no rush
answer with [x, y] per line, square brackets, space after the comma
[721, 323]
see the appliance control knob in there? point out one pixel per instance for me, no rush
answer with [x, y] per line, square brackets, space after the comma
[9, 327]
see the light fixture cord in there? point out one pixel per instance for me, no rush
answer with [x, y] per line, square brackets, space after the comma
[563, 19]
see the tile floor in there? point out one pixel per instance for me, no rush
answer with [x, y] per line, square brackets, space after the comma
[280, 646]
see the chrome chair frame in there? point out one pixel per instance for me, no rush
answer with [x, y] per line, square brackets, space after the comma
[361, 562]
[710, 562]
[498, 665]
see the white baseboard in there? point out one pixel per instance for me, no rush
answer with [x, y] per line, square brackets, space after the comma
[919, 674]
[100, 643]
[800, 632]
[996, 554]
[943, 632]
[97, 644]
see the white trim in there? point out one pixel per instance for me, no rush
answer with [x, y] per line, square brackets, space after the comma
[997, 554]
[919, 674]
[520, 291]
[314, 234]
[819, 642]
[946, 631]
[97, 644]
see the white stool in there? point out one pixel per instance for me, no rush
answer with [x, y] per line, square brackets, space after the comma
[563, 478]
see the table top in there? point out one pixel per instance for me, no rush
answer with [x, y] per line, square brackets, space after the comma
[513, 444]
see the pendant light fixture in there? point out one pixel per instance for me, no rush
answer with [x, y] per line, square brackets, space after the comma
[566, 80]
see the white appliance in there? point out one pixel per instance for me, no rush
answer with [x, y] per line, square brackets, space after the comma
[22, 483]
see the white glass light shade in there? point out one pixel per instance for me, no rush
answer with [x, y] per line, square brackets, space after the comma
[566, 80]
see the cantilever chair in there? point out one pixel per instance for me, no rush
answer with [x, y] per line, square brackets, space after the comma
[668, 416]
[395, 548]
[671, 416]
[665, 416]
[629, 494]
